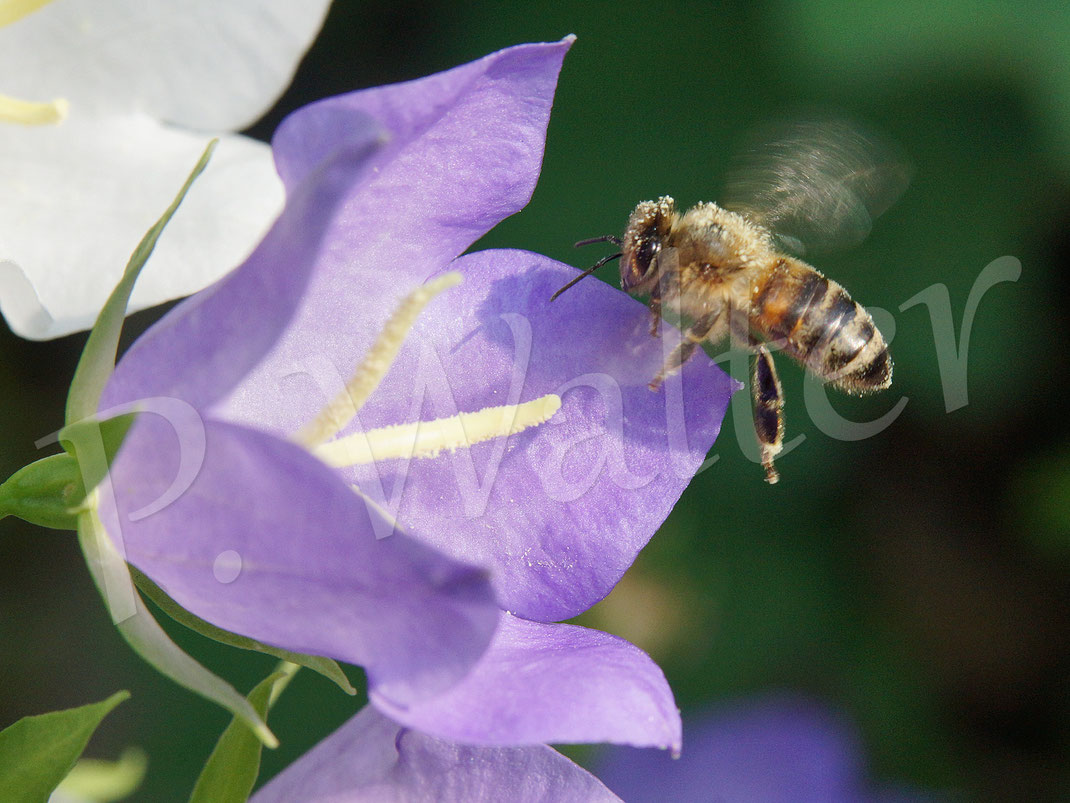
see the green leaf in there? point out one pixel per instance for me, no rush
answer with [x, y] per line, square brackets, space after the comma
[36, 753]
[144, 634]
[44, 493]
[317, 663]
[98, 357]
[103, 781]
[234, 764]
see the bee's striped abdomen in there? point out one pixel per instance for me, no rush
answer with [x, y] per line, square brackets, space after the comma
[815, 321]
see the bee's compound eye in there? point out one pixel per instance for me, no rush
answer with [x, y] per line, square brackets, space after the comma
[644, 255]
[637, 267]
[648, 227]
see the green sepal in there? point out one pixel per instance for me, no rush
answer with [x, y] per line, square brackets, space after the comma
[45, 493]
[106, 437]
[50, 492]
[37, 752]
[98, 357]
[317, 663]
[93, 445]
[144, 634]
[231, 771]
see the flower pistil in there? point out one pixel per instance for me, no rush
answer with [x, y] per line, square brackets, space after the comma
[421, 438]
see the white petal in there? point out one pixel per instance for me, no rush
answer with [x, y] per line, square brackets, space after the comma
[205, 64]
[76, 199]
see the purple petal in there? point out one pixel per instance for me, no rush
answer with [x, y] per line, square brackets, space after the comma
[559, 512]
[204, 346]
[268, 542]
[372, 758]
[466, 147]
[780, 749]
[540, 683]
[465, 150]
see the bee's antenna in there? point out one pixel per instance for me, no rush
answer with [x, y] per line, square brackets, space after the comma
[593, 267]
[605, 238]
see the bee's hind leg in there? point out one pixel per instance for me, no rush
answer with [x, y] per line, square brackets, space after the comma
[768, 410]
[698, 331]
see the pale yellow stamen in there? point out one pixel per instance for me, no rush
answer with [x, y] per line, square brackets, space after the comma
[12, 10]
[25, 112]
[377, 362]
[429, 438]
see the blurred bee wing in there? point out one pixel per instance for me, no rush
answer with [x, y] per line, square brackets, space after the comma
[817, 185]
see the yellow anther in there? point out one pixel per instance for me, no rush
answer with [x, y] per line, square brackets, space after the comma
[375, 365]
[12, 10]
[429, 438]
[25, 112]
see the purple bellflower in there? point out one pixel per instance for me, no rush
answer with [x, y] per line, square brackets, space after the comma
[494, 471]
[777, 749]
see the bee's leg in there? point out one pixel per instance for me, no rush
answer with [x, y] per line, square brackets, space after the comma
[693, 335]
[768, 410]
[655, 309]
[667, 288]
[739, 330]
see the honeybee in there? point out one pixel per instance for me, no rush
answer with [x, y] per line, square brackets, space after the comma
[728, 271]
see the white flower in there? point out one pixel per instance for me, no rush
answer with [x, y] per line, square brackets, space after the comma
[146, 84]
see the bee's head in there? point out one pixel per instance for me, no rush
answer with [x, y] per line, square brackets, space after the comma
[647, 229]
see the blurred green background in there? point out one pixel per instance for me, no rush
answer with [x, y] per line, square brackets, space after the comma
[917, 579]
